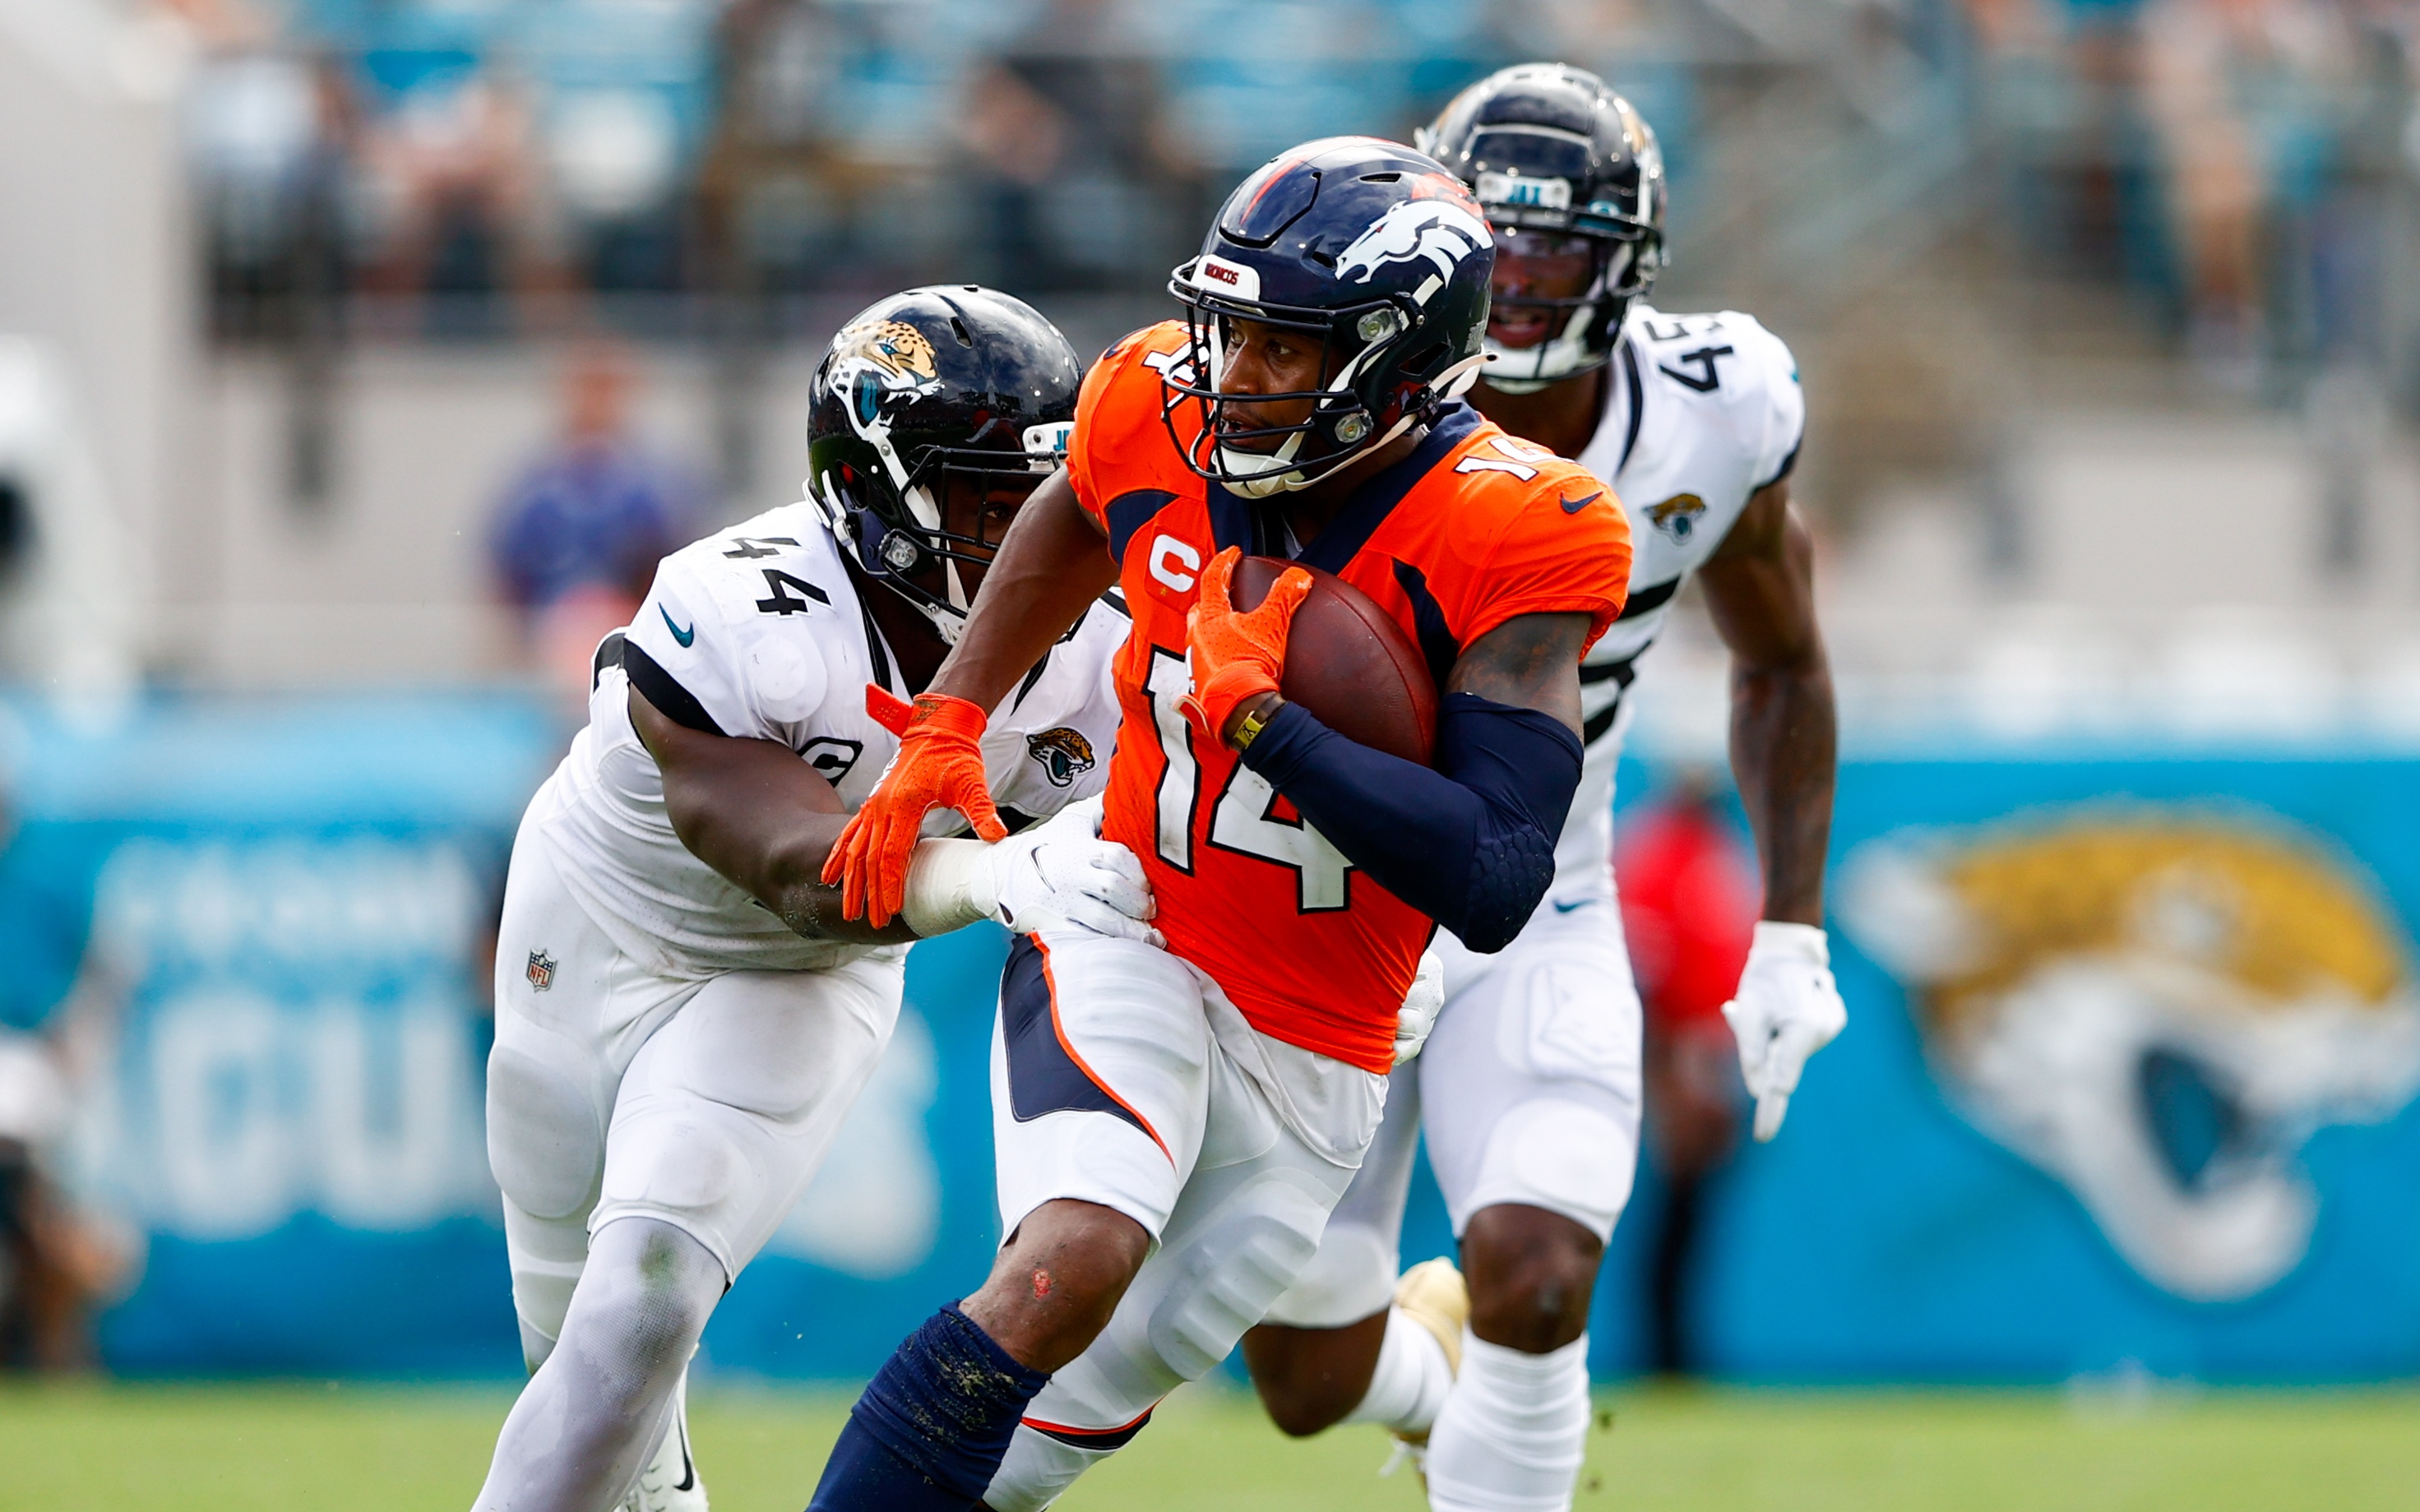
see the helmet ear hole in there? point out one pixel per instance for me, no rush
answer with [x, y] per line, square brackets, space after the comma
[1428, 361]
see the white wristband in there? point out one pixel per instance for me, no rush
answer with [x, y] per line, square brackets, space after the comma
[950, 885]
[1792, 942]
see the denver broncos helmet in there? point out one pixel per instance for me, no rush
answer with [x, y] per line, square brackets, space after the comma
[941, 382]
[1549, 149]
[1372, 247]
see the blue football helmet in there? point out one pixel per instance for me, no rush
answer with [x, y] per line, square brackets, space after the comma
[1372, 247]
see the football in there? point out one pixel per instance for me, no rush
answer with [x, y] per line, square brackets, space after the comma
[1349, 663]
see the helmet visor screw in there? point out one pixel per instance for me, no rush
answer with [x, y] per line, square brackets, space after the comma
[1352, 428]
[1376, 326]
[899, 553]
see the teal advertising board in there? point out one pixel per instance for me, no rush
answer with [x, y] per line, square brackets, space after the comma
[2127, 1085]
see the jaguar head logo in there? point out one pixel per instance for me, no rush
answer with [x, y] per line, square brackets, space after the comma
[1678, 516]
[1065, 754]
[2157, 1007]
[878, 361]
[893, 349]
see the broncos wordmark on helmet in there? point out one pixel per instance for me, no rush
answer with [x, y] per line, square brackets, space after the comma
[934, 384]
[1551, 152]
[1372, 247]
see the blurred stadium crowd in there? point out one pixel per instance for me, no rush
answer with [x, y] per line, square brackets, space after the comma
[468, 168]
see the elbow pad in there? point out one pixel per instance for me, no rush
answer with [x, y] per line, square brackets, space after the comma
[1527, 765]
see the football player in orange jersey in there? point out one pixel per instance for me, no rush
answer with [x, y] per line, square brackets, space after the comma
[1527, 1101]
[1175, 1126]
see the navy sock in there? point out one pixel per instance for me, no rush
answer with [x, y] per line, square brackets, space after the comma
[933, 1426]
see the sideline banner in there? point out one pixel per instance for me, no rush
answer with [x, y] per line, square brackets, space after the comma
[2127, 1084]
[2127, 1087]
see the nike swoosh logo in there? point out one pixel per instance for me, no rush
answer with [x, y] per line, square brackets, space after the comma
[689, 1466]
[686, 637]
[1573, 506]
[1565, 908]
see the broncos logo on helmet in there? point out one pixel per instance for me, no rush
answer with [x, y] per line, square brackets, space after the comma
[1065, 754]
[1442, 230]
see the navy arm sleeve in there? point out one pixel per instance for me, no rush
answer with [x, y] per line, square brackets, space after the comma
[1472, 843]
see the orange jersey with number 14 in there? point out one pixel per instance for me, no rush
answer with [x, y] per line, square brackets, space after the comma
[1473, 528]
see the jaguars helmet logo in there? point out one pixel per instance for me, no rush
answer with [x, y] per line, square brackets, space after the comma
[2157, 1007]
[880, 359]
[1678, 516]
[1065, 754]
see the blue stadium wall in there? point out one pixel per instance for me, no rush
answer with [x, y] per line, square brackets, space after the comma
[2126, 1085]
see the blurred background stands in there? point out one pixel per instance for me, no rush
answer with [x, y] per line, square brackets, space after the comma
[2072, 281]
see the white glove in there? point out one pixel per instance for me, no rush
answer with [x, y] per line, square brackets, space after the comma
[1786, 1009]
[1422, 1004]
[1051, 877]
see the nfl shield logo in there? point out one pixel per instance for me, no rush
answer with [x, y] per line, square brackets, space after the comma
[541, 971]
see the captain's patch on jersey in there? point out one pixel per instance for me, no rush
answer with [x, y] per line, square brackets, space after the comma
[1065, 754]
[1677, 516]
[541, 971]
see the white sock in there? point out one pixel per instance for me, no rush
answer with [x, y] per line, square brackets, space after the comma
[1410, 1382]
[1512, 1431]
[593, 1414]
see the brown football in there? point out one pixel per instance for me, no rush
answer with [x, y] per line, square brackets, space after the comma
[1349, 663]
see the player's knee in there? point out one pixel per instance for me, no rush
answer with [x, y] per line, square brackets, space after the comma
[1057, 1281]
[1303, 1385]
[1531, 1273]
[656, 1286]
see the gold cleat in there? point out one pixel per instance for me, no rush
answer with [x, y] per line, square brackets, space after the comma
[1432, 1295]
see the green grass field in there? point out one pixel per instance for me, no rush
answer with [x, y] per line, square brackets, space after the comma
[95, 1448]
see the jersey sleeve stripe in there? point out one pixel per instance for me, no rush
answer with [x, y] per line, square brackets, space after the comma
[1438, 647]
[1130, 512]
[1637, 404]
[660, 688]
[1650, 599]
[608, 653]
[1788, 464]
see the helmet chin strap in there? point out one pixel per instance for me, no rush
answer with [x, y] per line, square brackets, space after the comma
[1256, 475]
[1549, 362]
[1452, 383]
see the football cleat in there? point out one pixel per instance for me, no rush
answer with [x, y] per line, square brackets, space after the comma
[669, 1483]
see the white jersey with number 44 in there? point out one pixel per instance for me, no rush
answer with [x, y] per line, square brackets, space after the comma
[757, 632]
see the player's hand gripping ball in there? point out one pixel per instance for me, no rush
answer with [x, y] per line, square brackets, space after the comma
[1237, 655]
[940, 765]
[1786, 1009]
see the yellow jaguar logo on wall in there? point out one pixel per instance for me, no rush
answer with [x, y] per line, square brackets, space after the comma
[2156, 1006]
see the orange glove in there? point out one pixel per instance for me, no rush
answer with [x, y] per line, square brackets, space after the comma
[940, 765]
[1236, 656]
